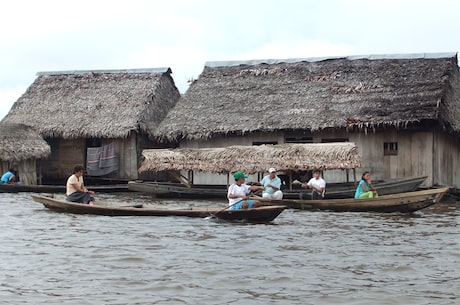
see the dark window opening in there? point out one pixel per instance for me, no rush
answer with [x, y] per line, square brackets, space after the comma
[93, 142]
[265, 142]
[332, 140]
[54, 143]
[298, 140]
[390, 148]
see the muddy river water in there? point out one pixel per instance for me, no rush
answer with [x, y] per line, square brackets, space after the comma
[300, 258]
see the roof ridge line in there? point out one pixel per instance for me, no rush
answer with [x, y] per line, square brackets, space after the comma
[129, 71]
[230, 63]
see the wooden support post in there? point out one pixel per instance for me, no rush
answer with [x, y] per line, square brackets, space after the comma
[181, 179]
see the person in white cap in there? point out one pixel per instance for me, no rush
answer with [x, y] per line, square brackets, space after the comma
[272, 184]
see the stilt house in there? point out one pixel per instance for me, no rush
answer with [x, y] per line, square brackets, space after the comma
[22, 148]
[402, 111]
[100, 119]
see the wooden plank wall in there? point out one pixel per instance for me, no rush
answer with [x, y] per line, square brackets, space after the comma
[128, 157]
[415, 153]
[447, 160]
[65, 154]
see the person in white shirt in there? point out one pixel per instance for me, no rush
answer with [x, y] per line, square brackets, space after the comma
[272, 185]
[238, 193]
[317, 184]
[75, 187]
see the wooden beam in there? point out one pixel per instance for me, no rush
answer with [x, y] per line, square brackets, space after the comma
[180, 178]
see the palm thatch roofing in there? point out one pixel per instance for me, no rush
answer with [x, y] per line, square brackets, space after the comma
[20, 142]
[354, 93]
[252, 159]
[103, 103]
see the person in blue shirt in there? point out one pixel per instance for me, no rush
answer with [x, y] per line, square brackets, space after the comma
[9, 176]
[365, 187]
[272, 185]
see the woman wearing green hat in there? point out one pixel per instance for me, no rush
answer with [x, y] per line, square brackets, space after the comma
[238, 191]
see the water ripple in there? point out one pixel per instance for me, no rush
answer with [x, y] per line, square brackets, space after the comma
[301, 258]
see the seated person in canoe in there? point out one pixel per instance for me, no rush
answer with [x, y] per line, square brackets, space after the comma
[10, 177]
[272, 184]
[365, 187]
[317, 184]
[75, 188]
[238, 193]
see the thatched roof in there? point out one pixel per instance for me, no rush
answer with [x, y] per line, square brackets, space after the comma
[251, 159]
[361, 92]
[83, 104]
[20, 142]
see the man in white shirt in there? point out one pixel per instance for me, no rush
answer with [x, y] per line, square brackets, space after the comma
[317, 184]
[272, 185]
[238, 193]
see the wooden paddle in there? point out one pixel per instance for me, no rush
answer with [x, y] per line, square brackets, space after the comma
[213, 215]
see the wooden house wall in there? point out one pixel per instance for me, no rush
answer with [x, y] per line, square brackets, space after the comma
[128, 157]
[415, 153]
[27, 171]
[414, 157]
[65, 154]
[129, 152]
[446, 160]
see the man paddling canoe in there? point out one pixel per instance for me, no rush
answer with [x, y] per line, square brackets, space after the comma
[238, 191]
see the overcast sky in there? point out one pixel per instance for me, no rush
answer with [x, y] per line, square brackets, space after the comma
[62, 35]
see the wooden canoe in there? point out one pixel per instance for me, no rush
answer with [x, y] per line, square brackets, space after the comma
[385, 187]
[178, 190]
[403, 202]
[51, 188]
[261, 214]
[333, 191]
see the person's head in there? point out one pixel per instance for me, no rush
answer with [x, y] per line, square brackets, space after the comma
[239, 177]
[12, 170]
[78, 169]
[272, 172]
[316, 173]
[366, 176]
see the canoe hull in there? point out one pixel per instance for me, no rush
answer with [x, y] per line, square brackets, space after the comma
[177, 190]
[266, 213]
[393, 186]
[403, 202]
[44, 188]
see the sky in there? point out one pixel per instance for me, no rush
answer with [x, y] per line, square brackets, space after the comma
[55, 35]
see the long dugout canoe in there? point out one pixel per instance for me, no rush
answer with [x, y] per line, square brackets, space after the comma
[333, 191]
[403, 202]
[261, 214]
